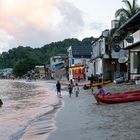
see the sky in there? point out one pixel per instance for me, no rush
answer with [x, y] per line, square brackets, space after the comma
[35, 23]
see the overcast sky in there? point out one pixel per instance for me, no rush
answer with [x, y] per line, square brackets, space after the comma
[38, 22]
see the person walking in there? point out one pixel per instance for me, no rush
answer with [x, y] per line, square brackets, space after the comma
[58, 88]
[70, 88]
[91, 80]
[72, 84]
[76, 89]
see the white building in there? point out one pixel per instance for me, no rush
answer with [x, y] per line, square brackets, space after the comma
[132, 44]
[105, 64]
[79, 62]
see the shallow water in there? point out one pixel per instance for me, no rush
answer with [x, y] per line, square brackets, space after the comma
[28, 111]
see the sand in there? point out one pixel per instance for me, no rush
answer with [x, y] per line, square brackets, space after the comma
[82, 119]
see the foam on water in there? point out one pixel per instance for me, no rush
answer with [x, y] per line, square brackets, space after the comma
[28, 109]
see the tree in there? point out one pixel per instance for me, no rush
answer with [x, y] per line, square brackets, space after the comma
[23, 66]
[125, 14]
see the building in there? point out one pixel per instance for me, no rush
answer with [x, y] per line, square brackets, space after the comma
[132, 44]
[58, 65]
[40, 69]
[105, 58]
[79, 58]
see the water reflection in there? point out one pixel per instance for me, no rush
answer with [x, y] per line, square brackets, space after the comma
[25, 105]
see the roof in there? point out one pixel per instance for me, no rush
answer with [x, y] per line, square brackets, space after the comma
[132, 23]
[132, 46]
[39, 66]
[81, 51]
[59, 66]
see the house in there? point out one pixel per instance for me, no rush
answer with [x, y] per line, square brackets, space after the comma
[106, 63]
[40, 69]
[132, 44]
[58, 65]
[79, 59]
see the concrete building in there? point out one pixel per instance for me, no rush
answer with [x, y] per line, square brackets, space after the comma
[132, 44]
[79, 59]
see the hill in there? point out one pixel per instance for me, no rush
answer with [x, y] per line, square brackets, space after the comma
[40, 55]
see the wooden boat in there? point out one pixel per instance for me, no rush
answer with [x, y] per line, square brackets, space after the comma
[101, 83]
[119, 97]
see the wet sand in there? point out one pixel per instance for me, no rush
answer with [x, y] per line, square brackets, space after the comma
[82, 119]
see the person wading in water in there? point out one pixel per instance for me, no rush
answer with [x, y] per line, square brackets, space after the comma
[58, 88]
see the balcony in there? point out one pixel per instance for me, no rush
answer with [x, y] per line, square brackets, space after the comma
[136, 37]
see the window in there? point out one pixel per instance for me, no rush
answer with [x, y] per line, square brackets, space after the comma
[72, 61]
[136, 61]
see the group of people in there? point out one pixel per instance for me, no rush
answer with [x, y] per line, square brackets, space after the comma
[72, 88]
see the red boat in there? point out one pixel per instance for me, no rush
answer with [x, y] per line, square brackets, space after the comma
[119, 97]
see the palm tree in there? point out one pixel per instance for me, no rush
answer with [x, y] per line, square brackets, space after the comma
[125, 14]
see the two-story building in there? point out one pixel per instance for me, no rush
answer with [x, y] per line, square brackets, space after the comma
[79, 59]
[132, 44]
[107, 65]
[58, 66]
[40, 69]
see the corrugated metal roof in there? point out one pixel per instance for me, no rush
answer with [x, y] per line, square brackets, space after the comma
[132, 22]
[81, 52]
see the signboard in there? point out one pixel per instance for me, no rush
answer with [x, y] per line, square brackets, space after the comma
[122, 59]
[116, 48]
[129, 39]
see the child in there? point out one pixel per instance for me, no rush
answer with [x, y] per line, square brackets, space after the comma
[76, 90]
[102, 91]
[70, 88]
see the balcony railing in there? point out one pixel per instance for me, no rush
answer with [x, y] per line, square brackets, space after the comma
[136, 37]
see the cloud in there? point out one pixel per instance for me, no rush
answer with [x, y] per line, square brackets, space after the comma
[5, 40]
[99, 26]
[36, 23]
[72, 17]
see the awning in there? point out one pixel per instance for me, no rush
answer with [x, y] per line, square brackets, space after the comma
[132, 46]
[59, 66]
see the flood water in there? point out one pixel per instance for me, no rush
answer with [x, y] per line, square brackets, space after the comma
[28, 111]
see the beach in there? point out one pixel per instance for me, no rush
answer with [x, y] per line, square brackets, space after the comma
[81, 119]
[33, 111]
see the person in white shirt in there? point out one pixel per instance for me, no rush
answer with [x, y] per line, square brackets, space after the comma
[76, 90]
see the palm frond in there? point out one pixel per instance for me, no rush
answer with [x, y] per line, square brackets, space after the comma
[122, 12]
[128, 4]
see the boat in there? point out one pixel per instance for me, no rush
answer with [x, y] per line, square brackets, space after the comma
[119, 97]
[101, 83]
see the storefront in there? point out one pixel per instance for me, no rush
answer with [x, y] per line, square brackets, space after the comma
[78, 72]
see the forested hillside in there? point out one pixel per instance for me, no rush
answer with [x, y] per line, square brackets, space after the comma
[39, 55]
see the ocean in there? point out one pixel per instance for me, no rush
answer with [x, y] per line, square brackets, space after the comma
[28, 110]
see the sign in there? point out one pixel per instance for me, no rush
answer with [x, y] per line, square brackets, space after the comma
[129, 39]
[122, 59]
[116, 48]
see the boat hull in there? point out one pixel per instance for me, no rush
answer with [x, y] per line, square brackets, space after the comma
[95, 84]
[119, 97]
